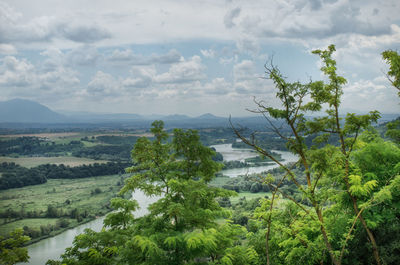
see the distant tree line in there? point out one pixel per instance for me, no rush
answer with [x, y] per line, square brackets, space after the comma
[117, 148]
[15, 176]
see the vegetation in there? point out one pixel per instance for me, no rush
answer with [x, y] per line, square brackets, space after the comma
[47, 209]
[11, 248]
[347, 197]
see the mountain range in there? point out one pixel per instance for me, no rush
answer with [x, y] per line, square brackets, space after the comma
[22, 111]
[27, 111]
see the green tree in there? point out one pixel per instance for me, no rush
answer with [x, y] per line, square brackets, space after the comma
[181, 227]
[393, 59]
[328, 169]
[11, 248]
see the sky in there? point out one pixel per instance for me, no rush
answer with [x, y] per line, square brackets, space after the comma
[191, 57]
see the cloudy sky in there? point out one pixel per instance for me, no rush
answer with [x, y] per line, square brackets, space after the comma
[190, 57]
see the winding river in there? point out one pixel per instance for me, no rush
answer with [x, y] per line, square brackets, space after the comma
[52, 248]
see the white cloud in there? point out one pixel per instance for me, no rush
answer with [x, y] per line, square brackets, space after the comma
[20, 78]
[210, 53]
[367, 95]
[103, 85]
[86, 55]
[7, 49]
[140, 77]
[183, 72]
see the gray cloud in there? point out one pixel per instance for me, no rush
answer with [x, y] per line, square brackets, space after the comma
[303, 20]
[230, 16]
[127, 56]
[46, 28]
[82, 33]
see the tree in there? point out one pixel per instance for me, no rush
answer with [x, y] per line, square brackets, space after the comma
[11, 249]
[393, 59]
[181, 227]
[329, 172]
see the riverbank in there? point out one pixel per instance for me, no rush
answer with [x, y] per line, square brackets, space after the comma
[53, 247]
[62, 230]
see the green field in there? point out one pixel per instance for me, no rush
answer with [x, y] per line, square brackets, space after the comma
[249, 196]
[219, 181]
[35, 161]
[65, 195]
[34, 223]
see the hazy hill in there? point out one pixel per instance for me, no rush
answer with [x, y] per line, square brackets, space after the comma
[27, 111]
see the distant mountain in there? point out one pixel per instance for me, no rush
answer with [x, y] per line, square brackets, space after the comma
[208, 116]
[175, 117]
[27, 111]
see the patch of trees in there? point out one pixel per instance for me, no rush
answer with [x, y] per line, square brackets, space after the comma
[255, 183]
[117, 140]
[52, 171]
[106, 152]
[36, 146]
[15, 176]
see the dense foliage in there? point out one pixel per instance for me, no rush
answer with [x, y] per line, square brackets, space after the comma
[11, 248]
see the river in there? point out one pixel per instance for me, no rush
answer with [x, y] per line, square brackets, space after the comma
[52, 248]
[240, 154]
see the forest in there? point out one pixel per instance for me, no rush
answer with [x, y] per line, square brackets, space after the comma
[338, 204]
